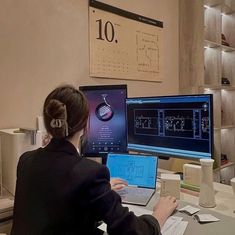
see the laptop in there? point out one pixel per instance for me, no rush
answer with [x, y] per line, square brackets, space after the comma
[140, 171]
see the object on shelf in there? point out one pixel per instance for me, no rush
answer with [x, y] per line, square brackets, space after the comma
[224, 41]
[224, 159]
[225, 81]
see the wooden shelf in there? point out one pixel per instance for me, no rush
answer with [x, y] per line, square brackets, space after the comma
[222, 87]
[227, 165]
[227, 49]
[227, 127]
[211, 44]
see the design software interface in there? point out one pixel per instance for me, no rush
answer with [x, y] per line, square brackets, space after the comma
[173, 125]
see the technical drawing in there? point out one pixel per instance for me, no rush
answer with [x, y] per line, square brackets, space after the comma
[130, 171]
[178, 123]
[147, 52]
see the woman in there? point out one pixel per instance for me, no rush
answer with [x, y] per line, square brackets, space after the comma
[59, 192]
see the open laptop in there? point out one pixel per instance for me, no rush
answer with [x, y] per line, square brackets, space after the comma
[140, 171]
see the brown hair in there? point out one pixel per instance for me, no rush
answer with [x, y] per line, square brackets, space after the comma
[65, 112]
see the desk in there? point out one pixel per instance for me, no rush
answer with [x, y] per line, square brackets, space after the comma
[224, 197]
[225, 200]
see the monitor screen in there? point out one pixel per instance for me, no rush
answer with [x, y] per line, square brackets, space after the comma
[137, 170]
[106, 131]
[180, 126]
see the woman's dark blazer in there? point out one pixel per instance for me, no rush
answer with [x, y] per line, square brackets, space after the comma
[59, 192]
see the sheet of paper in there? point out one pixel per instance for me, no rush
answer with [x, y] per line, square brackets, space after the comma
[181, 228]
[174, 226]
[204, 218]
[170, 224]
[189, 210]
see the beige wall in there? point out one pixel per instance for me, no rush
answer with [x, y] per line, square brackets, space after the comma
[44, 43]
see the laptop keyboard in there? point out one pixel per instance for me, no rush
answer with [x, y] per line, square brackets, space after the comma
[134, 191]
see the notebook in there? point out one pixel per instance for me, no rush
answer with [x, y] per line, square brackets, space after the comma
[140, 171]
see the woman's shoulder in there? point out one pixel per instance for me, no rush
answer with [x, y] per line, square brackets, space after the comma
[29, 154]
[91, 169]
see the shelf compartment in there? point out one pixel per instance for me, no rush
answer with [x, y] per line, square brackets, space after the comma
[227, 6]
[227, 127]
[212, 24]
[227, 28]
[212, 59]
[227, 111]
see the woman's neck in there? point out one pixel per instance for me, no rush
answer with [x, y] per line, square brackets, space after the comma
[75, 140]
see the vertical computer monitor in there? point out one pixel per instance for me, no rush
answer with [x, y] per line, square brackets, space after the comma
[180, 126]
[106, 131]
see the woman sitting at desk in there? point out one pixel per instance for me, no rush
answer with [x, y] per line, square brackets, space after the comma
[59, 192]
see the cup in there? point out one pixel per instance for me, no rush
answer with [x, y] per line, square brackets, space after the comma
[233, 184]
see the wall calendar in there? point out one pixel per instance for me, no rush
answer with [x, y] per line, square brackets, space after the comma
[124, 45]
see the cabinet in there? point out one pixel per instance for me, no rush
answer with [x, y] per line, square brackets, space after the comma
[212, 22]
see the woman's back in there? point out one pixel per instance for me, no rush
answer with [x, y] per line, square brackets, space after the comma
[53, 194]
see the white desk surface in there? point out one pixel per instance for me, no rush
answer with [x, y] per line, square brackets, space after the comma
[224, 197]
[224, 210]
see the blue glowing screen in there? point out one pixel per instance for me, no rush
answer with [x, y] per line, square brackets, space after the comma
[138, 170]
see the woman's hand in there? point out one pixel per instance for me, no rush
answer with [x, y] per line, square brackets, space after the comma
[164, 208]
[117, 184]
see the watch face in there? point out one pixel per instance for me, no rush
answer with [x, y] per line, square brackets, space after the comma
[104, 112]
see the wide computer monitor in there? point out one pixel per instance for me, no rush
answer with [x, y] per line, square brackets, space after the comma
[172, 126]
[106, 130]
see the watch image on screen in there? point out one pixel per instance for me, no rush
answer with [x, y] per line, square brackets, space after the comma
[104, 111]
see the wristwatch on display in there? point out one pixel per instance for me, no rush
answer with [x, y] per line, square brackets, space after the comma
[104, 111]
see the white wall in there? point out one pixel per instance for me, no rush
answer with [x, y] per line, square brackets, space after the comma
[44, 43]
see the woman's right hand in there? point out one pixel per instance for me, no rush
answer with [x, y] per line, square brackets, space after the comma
[118, 184]
[164, 208]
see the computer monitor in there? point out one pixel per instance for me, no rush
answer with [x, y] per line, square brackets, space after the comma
[106, 131]
[173, 126]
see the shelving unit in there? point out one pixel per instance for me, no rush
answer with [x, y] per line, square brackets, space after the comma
[218, 17]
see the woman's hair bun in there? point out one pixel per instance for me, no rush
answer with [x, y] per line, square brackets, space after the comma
[56, 113]
[65, 112]
[55, 109]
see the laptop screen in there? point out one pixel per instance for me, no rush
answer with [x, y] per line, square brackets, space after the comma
[137, 170]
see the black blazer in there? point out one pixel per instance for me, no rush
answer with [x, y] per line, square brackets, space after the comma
[59, 192]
